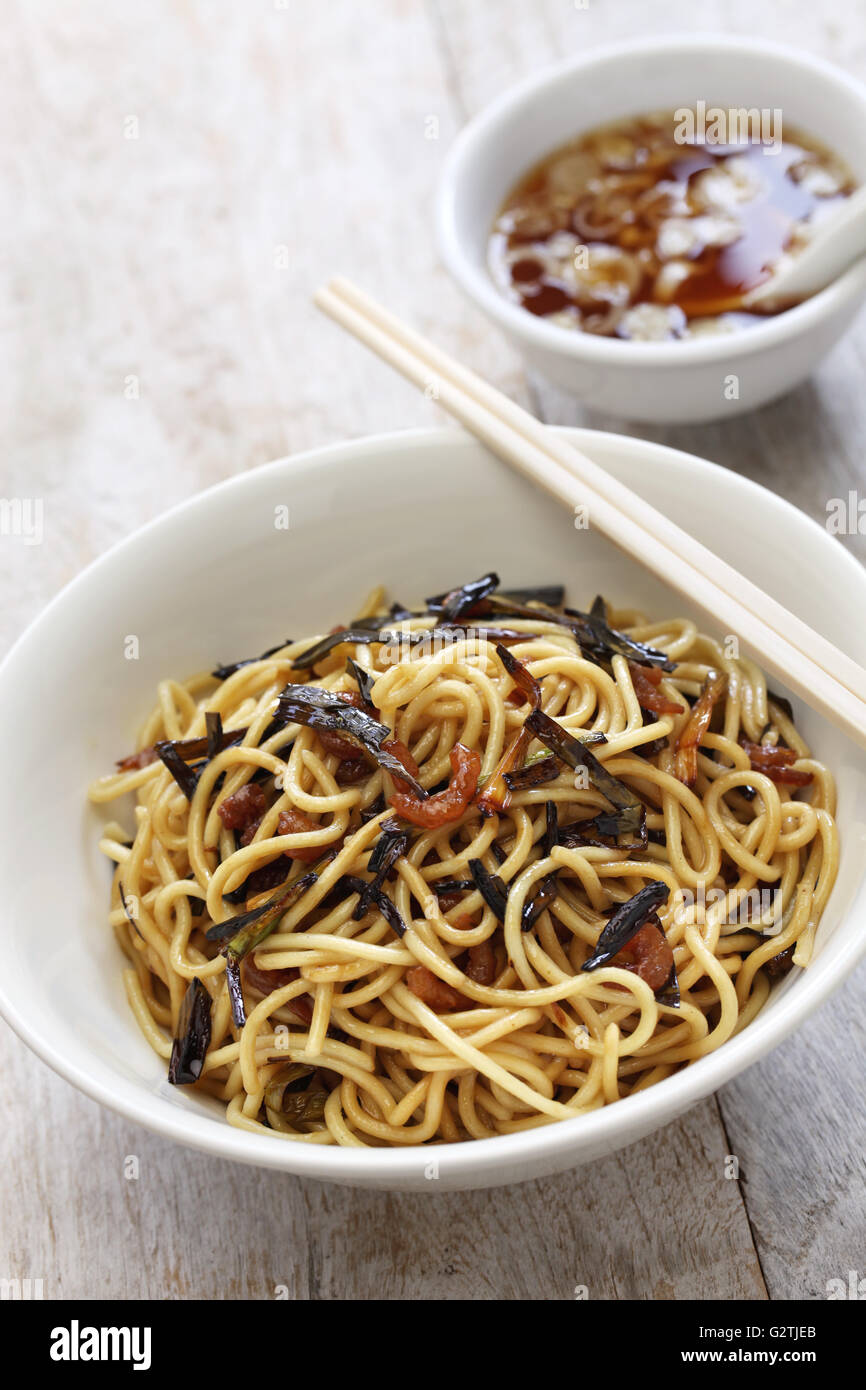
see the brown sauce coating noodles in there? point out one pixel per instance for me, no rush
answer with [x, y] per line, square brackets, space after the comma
[468, 1026]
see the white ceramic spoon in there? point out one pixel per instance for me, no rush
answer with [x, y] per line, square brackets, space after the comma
[836, 244]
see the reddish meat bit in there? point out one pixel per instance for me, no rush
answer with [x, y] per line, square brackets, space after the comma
[354, 697]
[447, 805]
[435, 993]
[249, 832]
[337, 744]
[645, 680]
[775, 763]
[351, 771]
[399, 751]
[340, 744]
[686, 761]
[296, 822]
[648, 955]
[779, 965]
[482, 964]
[448, 900]
[143, 758]
[266, 981]
[465, 922]
[243, 807]
[515, 697]
[789, 776]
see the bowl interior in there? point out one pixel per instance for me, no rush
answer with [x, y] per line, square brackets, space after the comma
[524, 126]
[221, 578]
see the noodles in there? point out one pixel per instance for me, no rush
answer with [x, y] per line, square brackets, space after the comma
[573, 910]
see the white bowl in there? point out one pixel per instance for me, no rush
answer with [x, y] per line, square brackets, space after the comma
[214, 580]
[673, 382]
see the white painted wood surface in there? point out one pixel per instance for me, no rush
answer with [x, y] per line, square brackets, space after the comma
[178, 178]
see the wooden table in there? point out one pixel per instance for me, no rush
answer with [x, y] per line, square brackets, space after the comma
[181, 177]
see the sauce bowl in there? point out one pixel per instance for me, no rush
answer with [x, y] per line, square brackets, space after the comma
[674, 382]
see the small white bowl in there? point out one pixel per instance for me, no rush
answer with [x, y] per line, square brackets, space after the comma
[669, 382]
[215, 580]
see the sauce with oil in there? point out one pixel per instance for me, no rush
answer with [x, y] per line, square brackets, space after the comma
[627, 232]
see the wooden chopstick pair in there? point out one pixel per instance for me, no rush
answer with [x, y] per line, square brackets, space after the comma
[823, 676]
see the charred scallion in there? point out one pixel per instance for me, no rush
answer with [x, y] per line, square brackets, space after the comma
[629, 809]
[322, 710]
[461, 600]
[392, 843]
[378, 899]
[127, 909]
[443, 887]
[363, 680]
[222, 673]
[185, 776]
[247, 930]
[192, 1040]
[196, 905]
[490, 886]
[534, 773]
[551, 595]
[375, 808]
[179, 755]
[261, 880]
[602, 641]
[625, 923]
[541, 897]
[669, 994]
[783, 702]
[551, 827]
[214, 725]
[236, 993]
[603, 831]
[389, 911]
[322, 648]
[296, 1092]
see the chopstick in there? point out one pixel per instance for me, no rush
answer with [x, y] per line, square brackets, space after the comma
[835, 662]
[824, 677]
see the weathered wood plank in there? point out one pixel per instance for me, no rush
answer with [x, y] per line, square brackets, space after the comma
[659, 1220]
[797, 1121]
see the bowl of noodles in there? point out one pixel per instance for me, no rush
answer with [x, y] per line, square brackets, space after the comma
[408, 832]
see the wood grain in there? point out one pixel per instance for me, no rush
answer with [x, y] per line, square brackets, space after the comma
[183, 176]
[659, 1220]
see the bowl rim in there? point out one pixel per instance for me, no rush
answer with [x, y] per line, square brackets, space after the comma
[542, 1148]
[591, 349]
